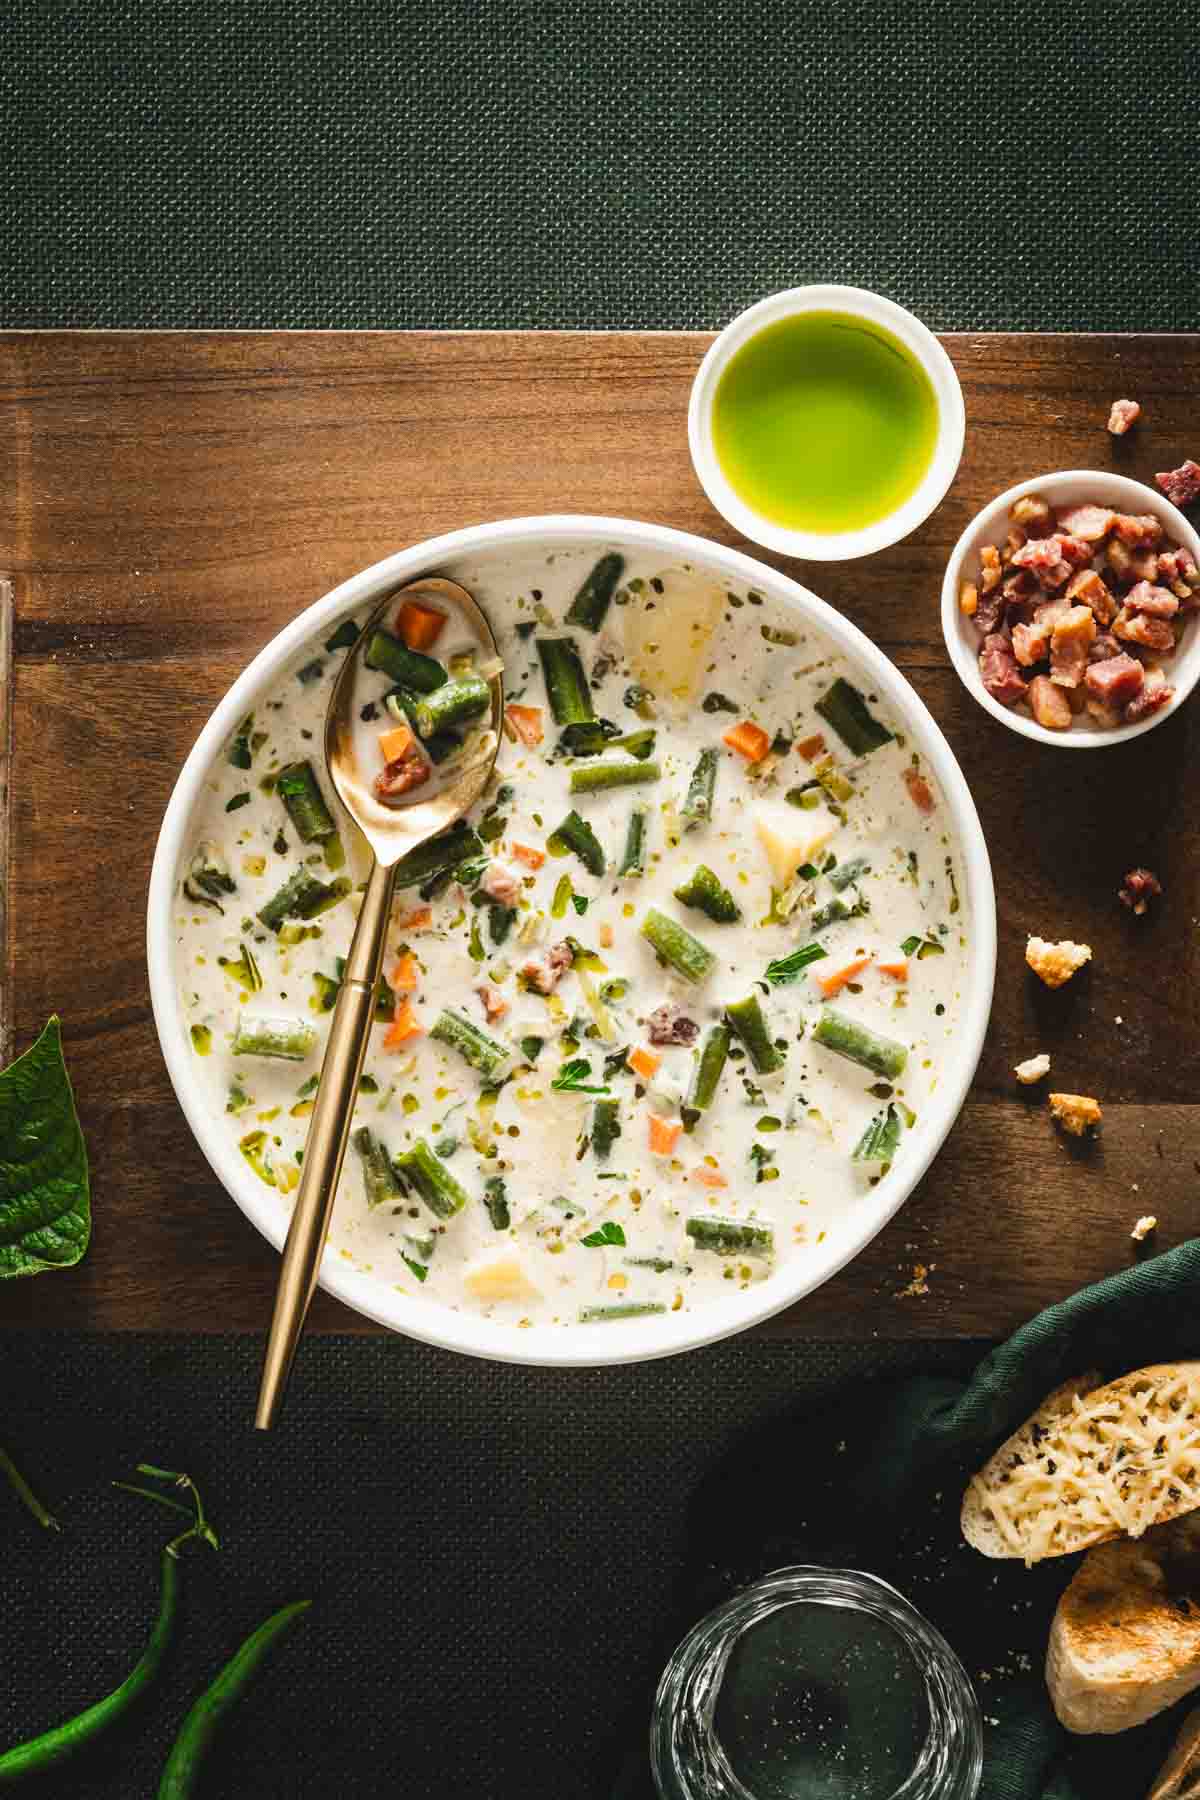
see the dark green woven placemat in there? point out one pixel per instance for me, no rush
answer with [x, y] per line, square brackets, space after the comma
[585, 163]
[491, 1551]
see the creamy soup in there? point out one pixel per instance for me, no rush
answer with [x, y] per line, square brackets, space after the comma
[658, 1019]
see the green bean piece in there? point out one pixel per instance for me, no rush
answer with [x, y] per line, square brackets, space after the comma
[301, 896]
[440, 856]
[706, 1075]
[290, 1039]
[379, 1177]
[208, 877]
[633, 857]
[473, 1045]
[297, 787]
[661, 1265]
[620, 1309]
[746, 1018]
[52, 1748]
[846, 1037]
[595, 596]
[596, 777]
[848, 872]
[708, 895]
[880, 1141]
[566, 684]
[344, 638]
[577, 835]
[598, 736]
[674, 944]
[730, 1237]
[606, 1128]
[400, 664]
[452, 704]
[698, 805]
[495, 1199]
[181, 1776]
[432, 1180]
[844, 708]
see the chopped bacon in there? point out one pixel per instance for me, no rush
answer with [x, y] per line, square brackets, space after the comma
[1044, 557]
[1019, 587]
[1141, 628]
[1181, 485]
[1087, 589]
[1051, 611]
[494, 1004]
[1119, 558]
[1143, 565]
[401, 776]
[1122, 415]
[1105, 646]
[1033, 515]
[1156, 693]
[1075, 550]
[919, 790]
[669, 1024]
[998, 669]
[1137, 890]
[500, 884]
[1091, 523]
[989, 613]
[1176, 565]
[545, 975]
[1072, 638]
[1155, 601]
[1048, 704]
[989, 568]
[1117, 680]
[1141, 531]
[1031, 643]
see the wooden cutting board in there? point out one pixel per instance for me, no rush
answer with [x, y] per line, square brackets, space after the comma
[167, 502]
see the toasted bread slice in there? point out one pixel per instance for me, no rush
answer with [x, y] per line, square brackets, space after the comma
[1092, 1463]
[1125, 1641]
[1179, 1777]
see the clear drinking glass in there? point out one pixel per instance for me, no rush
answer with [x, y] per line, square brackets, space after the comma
[816, 1684]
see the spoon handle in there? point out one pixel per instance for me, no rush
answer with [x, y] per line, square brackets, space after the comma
[345, 1053]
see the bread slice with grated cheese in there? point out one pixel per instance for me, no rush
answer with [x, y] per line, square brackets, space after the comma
[1125, 1642]
[1092, 1463]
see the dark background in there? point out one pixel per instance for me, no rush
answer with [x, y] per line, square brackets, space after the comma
[495, 1553]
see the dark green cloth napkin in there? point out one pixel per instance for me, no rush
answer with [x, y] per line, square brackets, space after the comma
[875, 1483]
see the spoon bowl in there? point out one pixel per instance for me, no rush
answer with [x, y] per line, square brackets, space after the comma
[392, 828]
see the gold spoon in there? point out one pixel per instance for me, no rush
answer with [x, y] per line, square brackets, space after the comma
[391, 831]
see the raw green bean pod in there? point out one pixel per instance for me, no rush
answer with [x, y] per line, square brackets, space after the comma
[181, 1775]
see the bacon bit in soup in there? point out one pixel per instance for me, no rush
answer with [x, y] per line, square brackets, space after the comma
[420, 626]
[545, 975]
[919, 790]
[419, 919]
[1110, 583]
[407, 772]
[1137, 890]
[405, 1024]
[494, 1004]
[811, 747]
[526, 724]
[406, 976]
[748, 739]
[669, 1024]
[1181, 485]
[664, 1134]
[1122, 415]
[834, 983]
[527, 854]
[500, 884]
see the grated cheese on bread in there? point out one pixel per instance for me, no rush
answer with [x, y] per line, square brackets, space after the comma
[1092, 1463]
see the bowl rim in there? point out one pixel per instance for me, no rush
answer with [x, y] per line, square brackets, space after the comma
[841, 546]
[1185, 667]
[623, 1341]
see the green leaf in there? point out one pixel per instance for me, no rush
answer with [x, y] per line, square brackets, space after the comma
[880, 1141]
[789, 968]
[609, 1233]
[573, 1076]
[45, 1208]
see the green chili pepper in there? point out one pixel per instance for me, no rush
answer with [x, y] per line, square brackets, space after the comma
[204, 1721]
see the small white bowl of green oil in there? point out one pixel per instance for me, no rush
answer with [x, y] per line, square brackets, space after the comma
[826, 422]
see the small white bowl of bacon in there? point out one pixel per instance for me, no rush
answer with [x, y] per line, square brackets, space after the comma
[1070, 608]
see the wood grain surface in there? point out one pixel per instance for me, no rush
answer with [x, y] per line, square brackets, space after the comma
[169, 501]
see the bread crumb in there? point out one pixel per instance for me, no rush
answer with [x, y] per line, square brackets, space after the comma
[1076, 1113]
[1032, 1069]
[919, 1284]
[1056, 963]
[1146, 1226]
[1122, 414]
